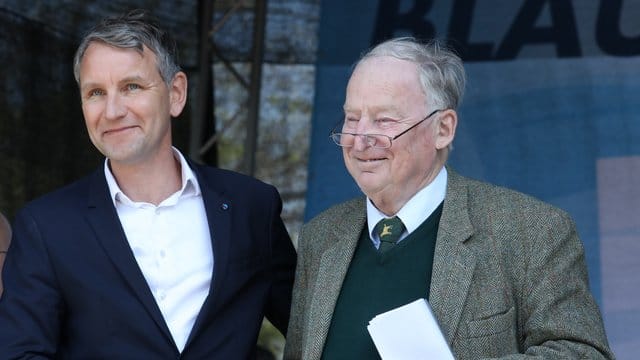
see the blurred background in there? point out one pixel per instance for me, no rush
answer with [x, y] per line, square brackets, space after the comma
[550, 109]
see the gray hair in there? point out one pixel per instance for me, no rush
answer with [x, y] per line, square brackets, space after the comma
[133, 30]
[441, 72]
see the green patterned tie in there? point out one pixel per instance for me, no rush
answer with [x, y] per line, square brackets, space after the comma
[389, 231]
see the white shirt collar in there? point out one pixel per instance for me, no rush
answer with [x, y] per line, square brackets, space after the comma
[416, 210]
[189, 186]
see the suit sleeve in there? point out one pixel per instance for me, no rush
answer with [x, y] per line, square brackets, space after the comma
[283, 263]
[31, 305]
[293, 345]
[558, 317]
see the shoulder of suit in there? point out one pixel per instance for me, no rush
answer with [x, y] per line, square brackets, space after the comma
[339, 212]
[487, 195]
[76, 189]
[62, 201]
[229, 179]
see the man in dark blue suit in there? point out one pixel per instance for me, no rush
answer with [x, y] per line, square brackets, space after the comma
[151, 256]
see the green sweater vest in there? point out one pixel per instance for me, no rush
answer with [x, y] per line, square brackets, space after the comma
[376, 283]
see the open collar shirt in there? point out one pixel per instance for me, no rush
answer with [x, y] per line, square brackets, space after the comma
[171, 243]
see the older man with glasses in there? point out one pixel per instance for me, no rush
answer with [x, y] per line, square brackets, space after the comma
[504, 273]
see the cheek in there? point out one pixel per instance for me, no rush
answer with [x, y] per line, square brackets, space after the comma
[91, 113]
[350, 164]
[345, 155]
[153, 110]
[422, 143]
[411, 159]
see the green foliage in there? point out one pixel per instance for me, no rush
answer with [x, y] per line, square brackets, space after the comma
[271, 339]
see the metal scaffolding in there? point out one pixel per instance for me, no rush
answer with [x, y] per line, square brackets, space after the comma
[203, 137]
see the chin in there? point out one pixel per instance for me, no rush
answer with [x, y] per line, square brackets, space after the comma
[368, 188]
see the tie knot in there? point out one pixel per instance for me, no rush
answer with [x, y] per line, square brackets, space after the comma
[389, 230]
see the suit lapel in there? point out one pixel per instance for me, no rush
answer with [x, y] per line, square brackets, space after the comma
[453, 263]
[333, 267]
[103, 218]
[218, 209]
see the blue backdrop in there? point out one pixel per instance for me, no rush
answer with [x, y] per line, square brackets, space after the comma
[550, 110]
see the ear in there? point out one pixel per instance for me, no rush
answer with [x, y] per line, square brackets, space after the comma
[447, 122]
[178, 93]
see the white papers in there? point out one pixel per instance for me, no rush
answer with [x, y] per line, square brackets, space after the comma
[409, 332]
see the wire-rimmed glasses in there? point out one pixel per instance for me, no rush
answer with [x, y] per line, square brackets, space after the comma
[379, 141]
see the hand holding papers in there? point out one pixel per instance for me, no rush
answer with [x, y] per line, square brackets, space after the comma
[409, 332]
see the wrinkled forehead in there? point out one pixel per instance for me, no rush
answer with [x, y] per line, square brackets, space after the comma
[139, 48]
[110, 56]
[384, 82]
[385, 72]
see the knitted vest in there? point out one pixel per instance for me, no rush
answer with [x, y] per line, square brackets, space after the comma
[376, 283]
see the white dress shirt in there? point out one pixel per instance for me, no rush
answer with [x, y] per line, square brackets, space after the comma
[415, 211]
[172, 245]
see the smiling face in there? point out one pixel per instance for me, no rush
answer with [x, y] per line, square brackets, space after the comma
[126, 105]
[384, 96]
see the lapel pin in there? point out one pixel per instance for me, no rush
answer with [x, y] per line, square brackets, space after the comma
[224, 206]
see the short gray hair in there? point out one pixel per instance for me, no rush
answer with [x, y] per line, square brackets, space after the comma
[133, 30]
[441, 72]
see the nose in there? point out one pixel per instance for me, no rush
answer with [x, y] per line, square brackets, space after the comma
[115, 107]
[360, 143]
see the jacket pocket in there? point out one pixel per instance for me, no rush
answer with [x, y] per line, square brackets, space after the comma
[492, 325]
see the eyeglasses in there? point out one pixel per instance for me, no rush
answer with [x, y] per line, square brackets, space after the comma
[379, 141]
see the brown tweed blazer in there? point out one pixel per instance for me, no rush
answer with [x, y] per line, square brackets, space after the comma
[509, 277]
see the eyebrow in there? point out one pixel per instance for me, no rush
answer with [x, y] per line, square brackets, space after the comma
[376, 109]
[129, 79]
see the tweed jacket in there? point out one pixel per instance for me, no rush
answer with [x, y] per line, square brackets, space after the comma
[509, 278]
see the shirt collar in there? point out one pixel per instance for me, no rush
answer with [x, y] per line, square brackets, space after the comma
[189, 186]
[417, 209]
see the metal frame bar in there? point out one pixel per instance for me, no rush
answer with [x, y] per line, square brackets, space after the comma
[203, 119]
[203, 136]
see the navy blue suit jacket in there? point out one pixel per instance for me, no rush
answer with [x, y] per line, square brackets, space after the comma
[73, 289]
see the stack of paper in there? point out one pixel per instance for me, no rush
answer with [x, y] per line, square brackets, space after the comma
[409, 332]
